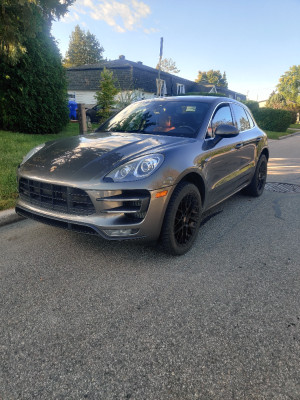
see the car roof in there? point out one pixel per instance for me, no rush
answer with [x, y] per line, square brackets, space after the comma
[200, 99]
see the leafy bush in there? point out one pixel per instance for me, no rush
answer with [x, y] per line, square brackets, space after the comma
[33, 93]
[293, 116]
[273, 120]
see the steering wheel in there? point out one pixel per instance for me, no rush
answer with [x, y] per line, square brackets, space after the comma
[187, 127]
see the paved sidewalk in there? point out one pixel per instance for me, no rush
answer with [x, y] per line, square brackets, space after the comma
[284, 163]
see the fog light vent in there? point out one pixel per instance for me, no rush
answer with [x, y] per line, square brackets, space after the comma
[120, 232]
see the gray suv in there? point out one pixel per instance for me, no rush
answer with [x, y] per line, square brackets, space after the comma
[147, 173]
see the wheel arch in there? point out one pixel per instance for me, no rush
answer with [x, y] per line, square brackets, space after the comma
[197, 180]
[266, 153]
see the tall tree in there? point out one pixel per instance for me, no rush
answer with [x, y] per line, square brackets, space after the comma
[276, 101]
[33, 92]
[84, 48]
[21, 20]
[94, 50]
[168, 65]
[224, 80]
[289, 84]
[212, 76]
[105, 97]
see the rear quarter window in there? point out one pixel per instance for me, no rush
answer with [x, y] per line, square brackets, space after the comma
[252, 124]
[241, 118]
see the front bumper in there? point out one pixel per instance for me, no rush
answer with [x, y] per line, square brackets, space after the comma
[114, 215]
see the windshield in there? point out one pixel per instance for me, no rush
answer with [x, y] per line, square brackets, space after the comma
[172, 118]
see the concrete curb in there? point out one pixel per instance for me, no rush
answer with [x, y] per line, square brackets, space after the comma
[287, 136]
[9, 217]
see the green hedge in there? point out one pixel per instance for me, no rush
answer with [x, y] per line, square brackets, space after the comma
[33, 93]
[293, 116]
[273, 120]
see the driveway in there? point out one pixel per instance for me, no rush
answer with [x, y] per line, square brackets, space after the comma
[83, 318]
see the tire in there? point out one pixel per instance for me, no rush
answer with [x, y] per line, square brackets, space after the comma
[257, 185]
[182, 219]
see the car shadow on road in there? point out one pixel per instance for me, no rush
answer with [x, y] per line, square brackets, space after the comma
[144, 249]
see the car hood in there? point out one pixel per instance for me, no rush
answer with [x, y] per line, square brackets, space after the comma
[93, 156]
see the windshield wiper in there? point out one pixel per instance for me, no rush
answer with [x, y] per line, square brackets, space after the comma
[135, 131]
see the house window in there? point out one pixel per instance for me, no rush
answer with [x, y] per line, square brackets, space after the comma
[161, 87]
[180, 88]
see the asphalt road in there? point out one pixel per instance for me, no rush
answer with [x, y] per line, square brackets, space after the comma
[284, 165]
[84, 318]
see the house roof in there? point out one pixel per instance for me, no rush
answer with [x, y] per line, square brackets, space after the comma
[132, 75]
[119, 63]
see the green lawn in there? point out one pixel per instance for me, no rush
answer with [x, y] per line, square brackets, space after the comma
[295, 126]
[276, 135]
[13, 146]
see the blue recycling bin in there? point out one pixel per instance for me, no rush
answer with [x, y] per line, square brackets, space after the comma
[72, 107]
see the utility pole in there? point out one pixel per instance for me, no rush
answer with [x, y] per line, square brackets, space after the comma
[159, 67]
[81, 115]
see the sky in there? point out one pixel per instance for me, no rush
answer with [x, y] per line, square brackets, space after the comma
[253, 41]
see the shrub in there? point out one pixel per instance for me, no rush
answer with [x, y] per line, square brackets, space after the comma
[293, 116]
[273, 120]
[33, 93]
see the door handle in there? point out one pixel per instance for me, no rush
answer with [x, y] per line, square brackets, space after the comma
[239, 145]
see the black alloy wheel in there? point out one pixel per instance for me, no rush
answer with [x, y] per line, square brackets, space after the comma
[259, 179]
[262, 176]
[182, 219]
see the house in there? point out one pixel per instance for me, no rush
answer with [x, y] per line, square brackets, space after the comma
[262, 103]
[83, 81]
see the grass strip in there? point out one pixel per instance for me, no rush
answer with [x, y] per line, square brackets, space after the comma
[13, 147]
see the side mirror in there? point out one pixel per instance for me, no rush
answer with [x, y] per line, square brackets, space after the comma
[226, 131]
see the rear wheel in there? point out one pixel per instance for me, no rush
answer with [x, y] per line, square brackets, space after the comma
[182, 219]
[258, 182]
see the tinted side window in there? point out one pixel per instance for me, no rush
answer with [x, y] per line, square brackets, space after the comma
[221, 116]
[241, 118]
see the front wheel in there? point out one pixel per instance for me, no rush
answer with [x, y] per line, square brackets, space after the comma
[258, 182]
[182, 219]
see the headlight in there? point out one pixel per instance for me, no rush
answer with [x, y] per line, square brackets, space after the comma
[32, 152]
[136, 169]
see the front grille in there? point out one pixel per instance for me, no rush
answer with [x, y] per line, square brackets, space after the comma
[58, 223]
[56, 197]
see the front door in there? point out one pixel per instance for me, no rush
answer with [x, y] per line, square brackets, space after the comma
[222, 166]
